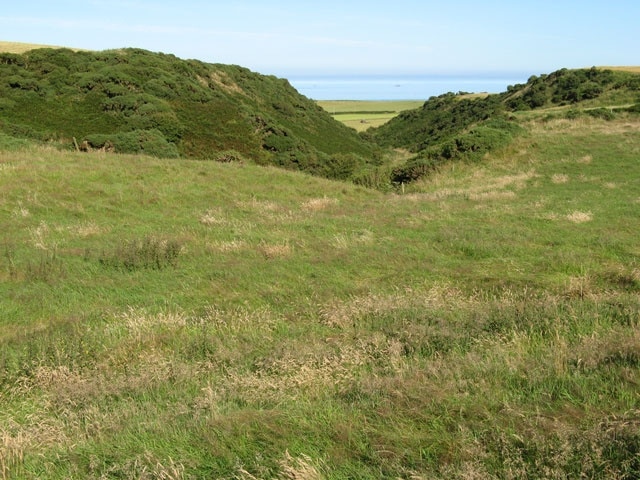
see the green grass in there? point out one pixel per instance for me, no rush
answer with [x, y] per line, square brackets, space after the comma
[191, 319]
[363, 114]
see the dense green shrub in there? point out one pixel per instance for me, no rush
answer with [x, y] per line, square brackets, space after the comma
[183, 106]
[148, 142]
[470, 145]
[603, 113]
[439, 119]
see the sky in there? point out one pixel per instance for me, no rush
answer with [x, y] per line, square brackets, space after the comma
[329, 37]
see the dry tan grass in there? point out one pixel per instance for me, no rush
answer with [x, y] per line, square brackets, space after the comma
[579, 217]
[630, 69]
[86, 229]
[20, 211]
[213, 218]
[225, 83]
[38, 433]
[227, 246]
[299, 468]
[39, 236]
[18, 47]
[275, 250]
[616, 346]
[216, 218]
[299, 373]
[343, 314]
[492, 195]
[343, 241]
[559, 178]
[483, 188]
[239, 319]
[317, 204]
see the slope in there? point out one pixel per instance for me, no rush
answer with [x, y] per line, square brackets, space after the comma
[137, 101]
[189, 319]
[455, 127]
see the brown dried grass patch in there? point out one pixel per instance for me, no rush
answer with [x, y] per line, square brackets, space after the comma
[225, 83]
[227, 246]
[579, 217]
[213, 218]
[343, 241]
[482, 189]
[299, 468]
[343, 314]
[619, 346]
[87, 229]
[492, 195]
[32, 437]
[317, 204]
[559, 178]
[277, 250]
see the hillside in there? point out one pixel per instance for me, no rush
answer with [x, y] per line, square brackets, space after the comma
[185, 319]
[135, 101]
[455, 127]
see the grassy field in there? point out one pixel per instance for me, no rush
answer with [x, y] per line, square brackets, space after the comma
[363, 114]
[181, 319]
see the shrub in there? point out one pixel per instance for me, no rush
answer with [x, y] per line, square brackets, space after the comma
[148, 142]
[603, 113]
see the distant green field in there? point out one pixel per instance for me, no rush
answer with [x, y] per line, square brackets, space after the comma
[363, 114]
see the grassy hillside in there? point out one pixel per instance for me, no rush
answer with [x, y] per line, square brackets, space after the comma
[134, 101]
[458, 127]
[188, 319]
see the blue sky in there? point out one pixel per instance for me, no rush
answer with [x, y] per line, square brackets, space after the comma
[337, 37]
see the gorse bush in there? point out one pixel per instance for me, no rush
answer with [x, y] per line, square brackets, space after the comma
[198, 108]
[148, 142]
[485, 137]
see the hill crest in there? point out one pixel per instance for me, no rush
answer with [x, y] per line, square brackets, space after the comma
[136, 101]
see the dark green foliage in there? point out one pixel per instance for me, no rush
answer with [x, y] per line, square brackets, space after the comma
[453, 127]
[148, 142]
[471, 145]
[603, 113]
[439, 119]
[157, 104]
[565, 87]
[446, 128]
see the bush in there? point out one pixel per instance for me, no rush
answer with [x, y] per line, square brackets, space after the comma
[148, 142]
[603, 113]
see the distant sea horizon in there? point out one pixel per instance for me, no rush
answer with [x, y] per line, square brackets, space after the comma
[399, 87]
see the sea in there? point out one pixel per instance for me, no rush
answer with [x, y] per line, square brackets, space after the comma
[387, 87]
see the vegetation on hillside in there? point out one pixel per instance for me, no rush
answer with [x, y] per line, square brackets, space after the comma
[455, 127]
[135, 101]
[168, 317]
